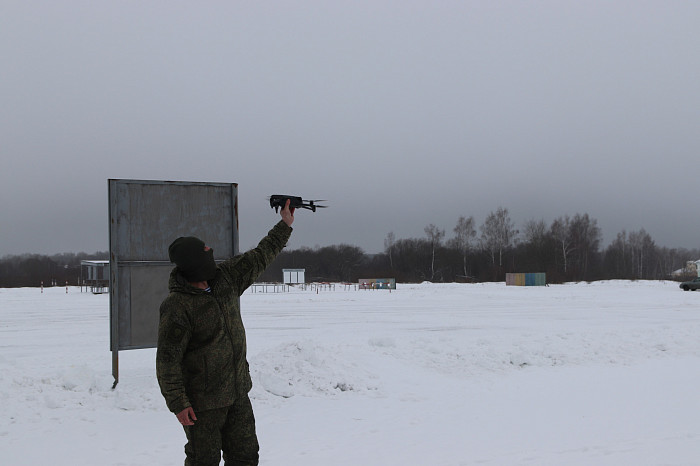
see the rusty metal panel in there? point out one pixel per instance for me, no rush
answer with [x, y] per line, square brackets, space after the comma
[144, 218]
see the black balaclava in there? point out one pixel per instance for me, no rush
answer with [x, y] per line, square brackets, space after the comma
[194, 263]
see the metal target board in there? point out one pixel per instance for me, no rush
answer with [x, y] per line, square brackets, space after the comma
[144, 218]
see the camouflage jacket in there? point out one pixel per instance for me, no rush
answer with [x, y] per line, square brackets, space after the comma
[201, 357]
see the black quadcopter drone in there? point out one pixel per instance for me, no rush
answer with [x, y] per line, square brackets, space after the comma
[277, 201]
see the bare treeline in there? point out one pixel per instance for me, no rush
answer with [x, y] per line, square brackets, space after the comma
[35, 269]
[567, 249]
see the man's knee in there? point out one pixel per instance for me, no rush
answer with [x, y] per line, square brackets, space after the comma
[204, 439]
[240, 442]
[202, 453]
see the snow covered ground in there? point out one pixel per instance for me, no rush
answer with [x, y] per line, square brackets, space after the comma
[605, 373]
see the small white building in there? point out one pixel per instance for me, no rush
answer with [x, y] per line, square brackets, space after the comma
[691, 268]
[293, 276]
[94, 275]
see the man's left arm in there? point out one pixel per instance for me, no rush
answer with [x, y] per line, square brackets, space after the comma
[246, 268]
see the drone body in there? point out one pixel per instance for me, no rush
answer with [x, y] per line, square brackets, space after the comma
[278, 201]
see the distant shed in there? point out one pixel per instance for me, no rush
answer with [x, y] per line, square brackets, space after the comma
[377, 283]
[526, 279]
[94, 275]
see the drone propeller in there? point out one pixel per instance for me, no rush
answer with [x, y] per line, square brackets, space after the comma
[313, 206]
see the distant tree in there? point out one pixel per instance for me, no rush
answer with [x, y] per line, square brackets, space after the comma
[633, 255]
[498, 234]
[389, 242]
[578, 242]
[585, 236]
[342, 263]
[33, 269]
[537, 247]
[410, 257]
[643, 251]
[561, 232]
[665, 261]
[616, 257]
[465, 233]
[435, 236]
[670, 260]
[535, 232]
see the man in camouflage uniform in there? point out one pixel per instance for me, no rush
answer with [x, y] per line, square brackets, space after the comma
[201, 358]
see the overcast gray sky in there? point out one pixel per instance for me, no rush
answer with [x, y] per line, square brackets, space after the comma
[399, 113]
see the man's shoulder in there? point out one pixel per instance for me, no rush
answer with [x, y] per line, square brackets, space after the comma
[174, 301]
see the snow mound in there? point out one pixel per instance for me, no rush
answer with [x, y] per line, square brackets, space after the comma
[309, 369]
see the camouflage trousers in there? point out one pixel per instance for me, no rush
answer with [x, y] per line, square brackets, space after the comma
[230, 430]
